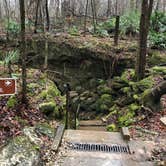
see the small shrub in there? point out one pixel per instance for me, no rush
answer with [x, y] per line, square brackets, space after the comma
[157, 40]
[12, 101]
[129, 23]
[101, 32]
[74, 31]
[157, 35]
[111, 127]
[12, 57]
[12, 27]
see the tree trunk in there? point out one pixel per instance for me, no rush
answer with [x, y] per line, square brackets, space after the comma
[95, 11]
[109, 8]
[137, 5]
[36, 17]
[164, 6]
[144, 30]
[23, 54]
[46, 55]
[47, 16]
[116, 37]
[8, 19]
[93, 14]
[132, 2]
[86, 12]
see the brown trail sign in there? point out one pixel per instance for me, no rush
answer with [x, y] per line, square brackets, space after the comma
[7, 86]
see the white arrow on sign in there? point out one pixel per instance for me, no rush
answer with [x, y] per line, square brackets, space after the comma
[8, 83]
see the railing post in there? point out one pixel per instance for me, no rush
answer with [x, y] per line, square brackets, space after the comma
[67, 90]
[76, 116]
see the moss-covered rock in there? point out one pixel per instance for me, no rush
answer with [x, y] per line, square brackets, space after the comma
[33, 86]
[143, 85]
[45, 129]
[47, 108]
[43, 95]
[53, 91]
[103, 89]
[128, 75]
[117, 86]
[20, 151]
[104, 103]
[159, 70]
[106, 99]
[156, 58]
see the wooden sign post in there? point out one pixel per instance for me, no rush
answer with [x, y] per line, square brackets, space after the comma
[8, 86]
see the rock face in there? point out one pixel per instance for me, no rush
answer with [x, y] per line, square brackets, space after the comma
[25, 150]
[20, 151]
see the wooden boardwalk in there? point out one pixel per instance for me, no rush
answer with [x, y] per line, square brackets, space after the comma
[95, 125]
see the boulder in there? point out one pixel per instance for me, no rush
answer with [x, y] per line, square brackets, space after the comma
[20, 151]
[24, 150]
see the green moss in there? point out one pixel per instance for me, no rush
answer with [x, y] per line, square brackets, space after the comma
[106, 99]
[36, 147]
[113, 111]
[53, 91]
[134, 107]
[114, 108]
[111, 127]
[156, 58]
[103, 89]
[50, 93]
[126, 119]
[45, 129]
[117, 86]
[12, 102]
[104, 107]
[47, 107]
[159, 70]
[1, 62]
[103, 103]
[145, 93]
[101, 81]
[43, 95]
[136, 97]
[126, 90]
[143, 85]
[128, 75]
[32, 87]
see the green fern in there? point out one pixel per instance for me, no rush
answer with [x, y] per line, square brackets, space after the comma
[11, 57]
